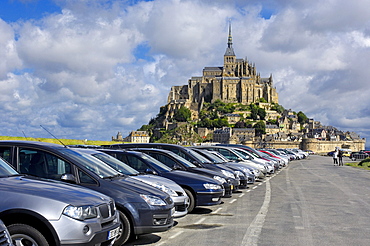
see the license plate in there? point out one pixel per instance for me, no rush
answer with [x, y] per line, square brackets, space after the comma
[113, 233]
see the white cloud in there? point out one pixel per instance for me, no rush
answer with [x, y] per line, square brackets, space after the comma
[8, 54]
[76, 71]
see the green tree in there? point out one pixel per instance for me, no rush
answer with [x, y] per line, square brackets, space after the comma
[261, 113]
[260, 128]
[263, 100]
[183, 114]
[254, 111]
[278, 108]
[302, 118]
[240, 124]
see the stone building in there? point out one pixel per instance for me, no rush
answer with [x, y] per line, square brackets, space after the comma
[237, 81]
[137, 137]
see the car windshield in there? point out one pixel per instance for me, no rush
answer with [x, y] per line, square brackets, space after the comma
[159, 165]
[199, 157]
[116, 164]
[219, 155]
[6, 170]
[182, 160]
[91, 163]
[248, 154]
[241, 154]
[263, 154]
[211, 157]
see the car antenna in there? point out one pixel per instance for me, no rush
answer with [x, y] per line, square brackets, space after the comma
[54, 136]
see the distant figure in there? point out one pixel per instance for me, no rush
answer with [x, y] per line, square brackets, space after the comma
[335, 157]
[340, 157]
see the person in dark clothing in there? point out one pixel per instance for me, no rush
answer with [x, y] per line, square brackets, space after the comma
[340, 158]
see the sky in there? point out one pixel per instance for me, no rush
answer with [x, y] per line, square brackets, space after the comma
[89, 69]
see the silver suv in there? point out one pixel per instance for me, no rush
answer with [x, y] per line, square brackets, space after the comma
[42, 212]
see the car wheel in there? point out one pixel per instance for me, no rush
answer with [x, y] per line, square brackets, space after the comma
[191, 200]
[124, 231]
[22, 234]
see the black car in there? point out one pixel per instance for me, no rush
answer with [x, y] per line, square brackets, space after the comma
[201, 190]
[142, 208]
[232, 184]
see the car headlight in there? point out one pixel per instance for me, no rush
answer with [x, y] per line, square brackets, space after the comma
[212, 186]
[218, 178]
[80, 212]
[239, 173]
[228, 174]
[153, 200]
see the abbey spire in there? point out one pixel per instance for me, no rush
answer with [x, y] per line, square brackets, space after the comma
[229, 50]
[229, 57]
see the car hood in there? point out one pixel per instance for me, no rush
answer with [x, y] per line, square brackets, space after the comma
[184, 177]
[38, 195]
[158, 179]
[135, 187]
[208, 172]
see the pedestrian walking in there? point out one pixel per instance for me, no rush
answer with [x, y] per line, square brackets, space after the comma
[340, 158]
[335, 157]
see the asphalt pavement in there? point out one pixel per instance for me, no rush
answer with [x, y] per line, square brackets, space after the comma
[310, 202]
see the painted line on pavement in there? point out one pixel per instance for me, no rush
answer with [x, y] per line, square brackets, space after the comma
[232, 201]
[200, 221]
[176, 234]
[254, 230]
[216, 211]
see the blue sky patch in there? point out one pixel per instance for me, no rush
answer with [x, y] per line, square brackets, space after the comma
[142, 51]
[14, 10]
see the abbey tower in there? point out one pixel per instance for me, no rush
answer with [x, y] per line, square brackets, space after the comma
[235, 82]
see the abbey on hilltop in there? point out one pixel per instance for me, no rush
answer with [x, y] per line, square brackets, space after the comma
[233, 104]
[237, 81]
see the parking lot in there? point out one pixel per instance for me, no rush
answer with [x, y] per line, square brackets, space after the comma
[310, 202]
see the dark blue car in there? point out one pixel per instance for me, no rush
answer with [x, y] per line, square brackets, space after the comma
[201, 190]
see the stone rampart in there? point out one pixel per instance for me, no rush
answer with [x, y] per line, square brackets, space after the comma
[326, 146]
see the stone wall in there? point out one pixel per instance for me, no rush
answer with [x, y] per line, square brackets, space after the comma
[327, 146]
[320, 147]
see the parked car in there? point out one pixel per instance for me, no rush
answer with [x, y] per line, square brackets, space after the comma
[233, 156]
[142, 208]
[5, 239]
[41, 212]
[359, 155]
[231, 184]
[201, 190]
[178, 195]
[246, 176]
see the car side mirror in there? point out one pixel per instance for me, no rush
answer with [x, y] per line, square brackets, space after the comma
[150, 171]
[67, 177]
[177, 167]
